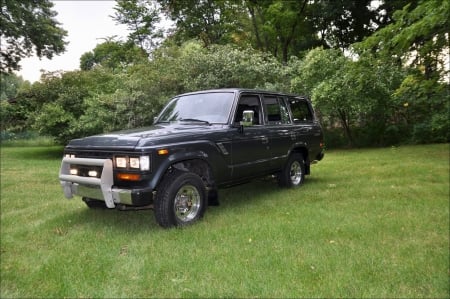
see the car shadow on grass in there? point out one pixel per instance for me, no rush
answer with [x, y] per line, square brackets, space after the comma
[122, 221]
[259, 190]
[240, 198]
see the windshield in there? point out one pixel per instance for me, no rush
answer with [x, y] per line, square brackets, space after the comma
[204, 107]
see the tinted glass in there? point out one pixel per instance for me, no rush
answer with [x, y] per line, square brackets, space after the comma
[208, 107]
[277, 112]
[301, 111]
[252, 103]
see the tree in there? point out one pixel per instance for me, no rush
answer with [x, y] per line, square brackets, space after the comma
[340, 23]
[113, 55]
[54, 105]
[222, 66]
[212, 22]
[419, 38]
[13, 113]
[385, 11]
[282, 22]
[10, 85]
[28, 27]
[141, 18]
[357, 94]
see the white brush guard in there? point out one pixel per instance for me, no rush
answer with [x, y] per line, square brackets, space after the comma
[71, 183]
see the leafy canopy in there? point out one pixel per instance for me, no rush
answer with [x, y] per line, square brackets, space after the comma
[28, 27]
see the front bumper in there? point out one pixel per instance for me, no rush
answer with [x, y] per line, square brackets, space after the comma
[100, 188]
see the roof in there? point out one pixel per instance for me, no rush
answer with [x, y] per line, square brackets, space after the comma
[240, 90]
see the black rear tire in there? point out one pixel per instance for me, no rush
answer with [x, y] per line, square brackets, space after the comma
[180, 199]
[293, 173]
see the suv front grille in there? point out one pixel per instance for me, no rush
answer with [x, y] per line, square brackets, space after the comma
[90, 154]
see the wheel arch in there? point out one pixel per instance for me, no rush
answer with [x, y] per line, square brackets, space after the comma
[301, 149]
[197, 166]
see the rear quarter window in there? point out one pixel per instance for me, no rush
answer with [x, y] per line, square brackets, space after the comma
[301, 110]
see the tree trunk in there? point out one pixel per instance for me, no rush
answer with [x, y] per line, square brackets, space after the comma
[346, 124]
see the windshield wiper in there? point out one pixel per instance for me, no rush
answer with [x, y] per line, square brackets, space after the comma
[194, 120]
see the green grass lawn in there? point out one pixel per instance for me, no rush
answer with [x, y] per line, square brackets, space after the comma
[367, 223]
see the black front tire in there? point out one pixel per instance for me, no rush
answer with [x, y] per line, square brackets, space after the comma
[293, 173]
[180, 199]
[94, 203]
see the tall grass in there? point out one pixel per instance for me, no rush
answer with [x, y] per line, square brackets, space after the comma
[33, 141]
[367, 223]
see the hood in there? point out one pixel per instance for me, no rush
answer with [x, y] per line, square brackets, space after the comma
[129, 139]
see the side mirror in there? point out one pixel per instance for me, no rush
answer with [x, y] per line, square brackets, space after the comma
[247, 118]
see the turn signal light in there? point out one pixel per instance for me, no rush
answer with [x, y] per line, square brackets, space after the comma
[162, 152]
[129, 176]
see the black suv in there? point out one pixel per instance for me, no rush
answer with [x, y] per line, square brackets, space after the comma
[201, 141]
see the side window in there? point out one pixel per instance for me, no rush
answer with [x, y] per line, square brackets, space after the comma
[277, 111]
[249, 102]
[301, 111]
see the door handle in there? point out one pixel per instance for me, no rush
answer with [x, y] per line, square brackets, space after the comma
[264, 140]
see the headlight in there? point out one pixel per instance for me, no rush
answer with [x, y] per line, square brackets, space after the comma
[121, 162]
[134, 162]
[142, 162]
[145, 162]
[69, 156]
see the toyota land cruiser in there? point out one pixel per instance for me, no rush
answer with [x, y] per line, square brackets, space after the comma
[201, 141]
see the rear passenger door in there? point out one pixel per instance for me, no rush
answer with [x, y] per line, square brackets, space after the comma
[279, 129]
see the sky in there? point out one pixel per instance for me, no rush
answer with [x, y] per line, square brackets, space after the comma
[87, 24]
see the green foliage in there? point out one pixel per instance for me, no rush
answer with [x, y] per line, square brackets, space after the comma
[354, 93]
[393, 89]
[28, 27]
[212, 22]
[10, 84]
[141, 18]
[227, 66]
[282, 28]
[342, 23]
[54, 120]
[81, 103]
[425, 108]
[54, 105]
[13, 112]
[281, 22]
[419, 36]
[112, 54]
[317, 66]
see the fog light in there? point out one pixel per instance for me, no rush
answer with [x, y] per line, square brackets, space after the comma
[92, 173]
[73, 171]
